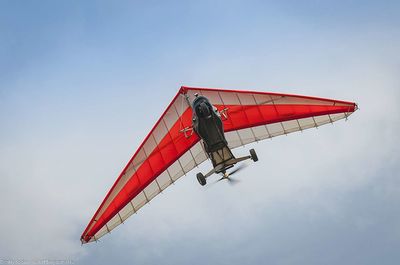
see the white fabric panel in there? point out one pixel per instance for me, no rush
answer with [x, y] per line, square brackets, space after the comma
[321, 120]
[114, 222]
[263, 99]
[175, 170]
[246, 99]
[233, 139]
[261, 132]
[127, 211]
[300, 100]
[139, 158]
[152, 190]
[149, 146]
[213, 97]
[247, 136]
[139, 201]
[229, 98]
[180, 105]
[164, 180]
[187, 162]
[275, 129]
[306, 123]
[170, 117]
[99, 234]
[336, 117]
[279, 128]
[160, 132]
[291, 126]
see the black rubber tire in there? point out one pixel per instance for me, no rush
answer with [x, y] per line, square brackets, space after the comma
[201, 179]
[253, 155]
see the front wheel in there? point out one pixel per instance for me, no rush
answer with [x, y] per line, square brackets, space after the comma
[253, 155]
[201, 179]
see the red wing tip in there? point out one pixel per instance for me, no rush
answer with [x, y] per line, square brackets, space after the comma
[85, 241]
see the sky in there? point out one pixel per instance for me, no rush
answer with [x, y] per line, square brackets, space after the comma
[83, 82]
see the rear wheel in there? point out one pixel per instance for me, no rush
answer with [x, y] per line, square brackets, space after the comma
[201, 179]
[253, 155]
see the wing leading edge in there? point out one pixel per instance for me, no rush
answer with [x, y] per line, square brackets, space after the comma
[172, 149]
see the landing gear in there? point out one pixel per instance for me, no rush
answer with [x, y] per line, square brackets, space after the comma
[223, 166]
[201, 179]
[253, 155]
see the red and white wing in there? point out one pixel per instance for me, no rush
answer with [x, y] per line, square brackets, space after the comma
[166, 154]
[172, 149]
[250, 116]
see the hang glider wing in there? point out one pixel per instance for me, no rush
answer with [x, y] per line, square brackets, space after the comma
[252, 116]
[172, 149]
[168, 152]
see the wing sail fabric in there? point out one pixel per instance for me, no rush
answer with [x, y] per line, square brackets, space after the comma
[166, 154]
[172, 149]
[253, 116]
[193, 157]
